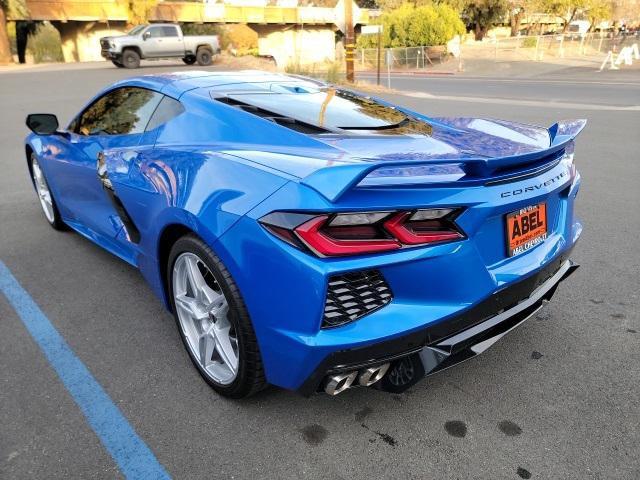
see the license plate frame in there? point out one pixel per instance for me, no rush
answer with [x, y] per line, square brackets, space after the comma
[520, 236]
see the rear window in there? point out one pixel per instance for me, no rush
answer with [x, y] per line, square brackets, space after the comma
[170, 31]
[325, 107]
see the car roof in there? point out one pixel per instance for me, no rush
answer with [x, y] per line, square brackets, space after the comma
[175, 84]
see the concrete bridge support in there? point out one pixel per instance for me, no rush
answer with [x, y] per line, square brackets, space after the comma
[81, 40]
[297, 44]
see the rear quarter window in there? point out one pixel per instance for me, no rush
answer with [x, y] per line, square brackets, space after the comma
[168, 108]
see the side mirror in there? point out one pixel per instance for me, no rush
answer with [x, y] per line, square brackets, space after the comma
[42, 123]
[146, 35]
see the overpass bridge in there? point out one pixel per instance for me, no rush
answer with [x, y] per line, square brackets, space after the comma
[302, 34]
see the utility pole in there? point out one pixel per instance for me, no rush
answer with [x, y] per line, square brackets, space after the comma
[379, 52]
[349, 38]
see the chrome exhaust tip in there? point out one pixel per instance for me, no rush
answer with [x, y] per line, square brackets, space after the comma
[372, 374]
[339, 383]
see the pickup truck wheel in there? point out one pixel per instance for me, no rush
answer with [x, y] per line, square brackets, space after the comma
[204, 56]
[130, 59]
[190, 60]
[117, 64]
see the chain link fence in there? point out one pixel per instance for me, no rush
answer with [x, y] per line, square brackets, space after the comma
[546, 47]
[403, 58]
[535, 48]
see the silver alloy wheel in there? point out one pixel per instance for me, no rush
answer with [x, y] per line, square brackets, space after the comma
[42, 189]
[203, 310]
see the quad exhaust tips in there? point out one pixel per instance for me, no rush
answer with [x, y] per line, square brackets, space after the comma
[340, 382]
[372, 374]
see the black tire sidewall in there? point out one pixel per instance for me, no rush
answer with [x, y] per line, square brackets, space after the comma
[204, 57]
[192, 244]
[57, 223]
[130, 59]
[190, 60]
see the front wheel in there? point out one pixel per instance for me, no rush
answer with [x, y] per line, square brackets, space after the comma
[117, 64]
[213, 321]
[130, 59]
[204, 56]
[47, 202]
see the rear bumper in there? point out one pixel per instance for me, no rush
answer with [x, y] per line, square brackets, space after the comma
[452, 340]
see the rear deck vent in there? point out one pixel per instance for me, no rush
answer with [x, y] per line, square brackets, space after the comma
[281, 120]
[353, 295]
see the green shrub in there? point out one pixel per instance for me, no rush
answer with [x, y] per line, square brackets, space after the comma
[334, 73]
[529, 42]
[409, 26]
[331, 72]
[45, 45]
[240, 38]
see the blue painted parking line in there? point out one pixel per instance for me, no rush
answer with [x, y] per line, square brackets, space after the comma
[133, 456]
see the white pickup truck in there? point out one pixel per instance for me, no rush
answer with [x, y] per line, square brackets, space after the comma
[159, 40]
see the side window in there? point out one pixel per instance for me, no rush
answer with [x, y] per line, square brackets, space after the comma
[123, 111]
[170, 31]
[155, 32]
[167, 109]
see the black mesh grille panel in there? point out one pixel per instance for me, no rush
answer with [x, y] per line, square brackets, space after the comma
[354, 295]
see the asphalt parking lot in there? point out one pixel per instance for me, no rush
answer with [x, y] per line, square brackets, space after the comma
[557, 398]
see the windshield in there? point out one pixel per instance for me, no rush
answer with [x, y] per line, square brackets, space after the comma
[136, 30]
[327, 107]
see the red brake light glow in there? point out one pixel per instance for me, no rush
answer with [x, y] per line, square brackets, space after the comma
[419, 232]
[342, 234]
[310, 233]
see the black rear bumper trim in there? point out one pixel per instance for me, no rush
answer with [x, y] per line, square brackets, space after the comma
[394, 349]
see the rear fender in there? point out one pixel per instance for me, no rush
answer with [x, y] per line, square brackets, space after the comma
[204, 191]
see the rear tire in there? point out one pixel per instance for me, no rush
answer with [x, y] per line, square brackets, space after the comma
[204, 56]
[117, 64]
[200, 282]
[189, 60]
[130, 59]
[47, 202]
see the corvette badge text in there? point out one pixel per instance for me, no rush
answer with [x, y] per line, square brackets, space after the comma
[537, 186]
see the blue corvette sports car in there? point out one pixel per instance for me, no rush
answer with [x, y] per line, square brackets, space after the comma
[310, 237]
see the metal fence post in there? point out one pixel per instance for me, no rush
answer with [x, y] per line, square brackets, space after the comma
[600, 43]
[389, 56]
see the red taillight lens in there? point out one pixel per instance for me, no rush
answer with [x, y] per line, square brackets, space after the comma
[321, 241]
[341, 234]
[419, 232]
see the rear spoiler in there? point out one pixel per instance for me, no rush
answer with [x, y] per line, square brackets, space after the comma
[332, 182]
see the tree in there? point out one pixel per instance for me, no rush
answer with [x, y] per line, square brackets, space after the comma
[481, 15]
[13, 8]
[565, 9]
[517, 11]
[597, 11]
[140, 10]
[409, 26]
[5, 46]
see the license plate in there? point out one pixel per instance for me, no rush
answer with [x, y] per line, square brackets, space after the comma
[526, 228]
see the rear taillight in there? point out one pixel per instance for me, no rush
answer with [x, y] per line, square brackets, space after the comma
[340, 234]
